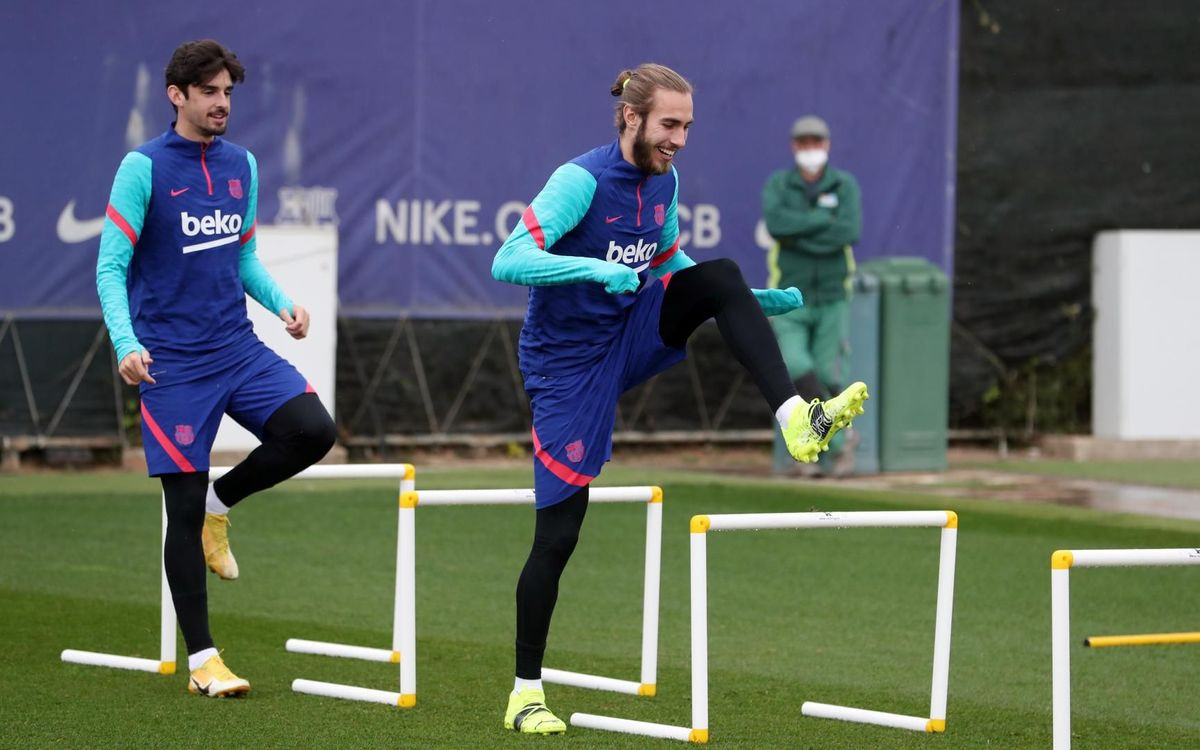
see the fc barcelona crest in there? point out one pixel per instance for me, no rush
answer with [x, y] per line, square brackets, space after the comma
[660, 214]
[184, 434]
[235, 189]
[575, 451]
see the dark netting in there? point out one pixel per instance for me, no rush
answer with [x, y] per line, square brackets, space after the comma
[66, 389]
[1074, 117]
[470, 384]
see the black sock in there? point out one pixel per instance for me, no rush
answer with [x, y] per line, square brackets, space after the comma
[556, 532]
[183, 555]
[295, 437]
[810, 387]
[715, 289]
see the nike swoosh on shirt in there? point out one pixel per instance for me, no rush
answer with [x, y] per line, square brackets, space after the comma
[610, 219]
[72, 230]
[177, 193]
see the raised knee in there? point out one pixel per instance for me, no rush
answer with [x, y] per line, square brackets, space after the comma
[725, 275]
[321, 434]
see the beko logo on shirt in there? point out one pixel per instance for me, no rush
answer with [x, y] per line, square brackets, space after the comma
[216, 223]
[639, 253]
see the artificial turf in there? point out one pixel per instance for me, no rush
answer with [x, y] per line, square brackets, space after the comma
[840, 617]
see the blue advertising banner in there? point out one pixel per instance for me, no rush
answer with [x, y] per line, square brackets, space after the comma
[421, 129]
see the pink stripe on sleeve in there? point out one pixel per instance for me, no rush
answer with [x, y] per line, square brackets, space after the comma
[123, 225]
[535, 229]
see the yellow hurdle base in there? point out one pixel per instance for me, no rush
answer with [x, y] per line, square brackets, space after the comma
[1148, 639]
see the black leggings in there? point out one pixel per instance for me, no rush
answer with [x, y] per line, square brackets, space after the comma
[716, 289]
[297, 435]
[713, 289]
[556, 531]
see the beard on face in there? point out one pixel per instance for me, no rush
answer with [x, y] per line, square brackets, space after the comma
[220, 129]
[208, 131]
[643, 153]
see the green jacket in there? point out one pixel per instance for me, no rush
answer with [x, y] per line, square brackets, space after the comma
[814, 227]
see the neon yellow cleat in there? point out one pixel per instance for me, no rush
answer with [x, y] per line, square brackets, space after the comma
[215, 538]
[811, 426]
[527, 713]
[215, 680]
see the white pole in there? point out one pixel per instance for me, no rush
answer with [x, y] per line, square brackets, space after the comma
[406, 603]
[863, 716]
[347, 692]
[336, 471]
[651, 593]
[1104, 558]
[167, 644]
[95, 659]
[699, 627]
[853, 519]
[345, 651]
[1060, 650]
[941, 631]
[636, 494]
[407, 484]
[590, 681]
[629, 726]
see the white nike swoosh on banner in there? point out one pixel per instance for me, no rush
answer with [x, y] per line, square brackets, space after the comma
[72, 230]
[210, 245]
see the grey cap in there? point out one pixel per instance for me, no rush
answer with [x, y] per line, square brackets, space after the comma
[810, 125]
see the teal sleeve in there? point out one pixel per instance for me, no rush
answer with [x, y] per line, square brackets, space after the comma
[778, 301]
[524, 258]
[126, 215]
[674, 258]
[255, 278]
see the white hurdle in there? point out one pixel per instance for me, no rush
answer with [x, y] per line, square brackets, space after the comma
[698, 732]
[1061, 563]
[165, 664]
[406, 594]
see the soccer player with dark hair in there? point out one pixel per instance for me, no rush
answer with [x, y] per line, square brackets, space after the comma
[612, 302]
[177, 259]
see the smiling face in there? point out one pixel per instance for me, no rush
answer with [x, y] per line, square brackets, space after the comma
[651, 142]
[202, 112]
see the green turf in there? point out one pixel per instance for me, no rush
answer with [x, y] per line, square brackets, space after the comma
[1185, 474]
[840, 617]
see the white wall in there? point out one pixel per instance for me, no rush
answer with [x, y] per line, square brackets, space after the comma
[1147, 335]
[303, 261]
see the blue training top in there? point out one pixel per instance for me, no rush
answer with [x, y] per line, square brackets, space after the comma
[595, 210]
[177, 253]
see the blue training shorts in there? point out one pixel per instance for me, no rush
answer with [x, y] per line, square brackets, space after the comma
[573, 415]
[180, 419]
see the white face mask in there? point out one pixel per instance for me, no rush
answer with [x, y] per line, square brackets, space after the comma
[812, 159]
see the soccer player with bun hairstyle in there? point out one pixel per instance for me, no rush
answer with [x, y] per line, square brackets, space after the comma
[612, 302]
[177, 259]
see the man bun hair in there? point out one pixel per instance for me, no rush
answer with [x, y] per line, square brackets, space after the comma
[618, 86]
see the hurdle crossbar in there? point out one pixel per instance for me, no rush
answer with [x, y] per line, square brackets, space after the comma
[165, 664]
[406, 593]
[1061, 563]
[698, 732]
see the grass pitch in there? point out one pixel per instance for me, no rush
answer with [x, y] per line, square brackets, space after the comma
[834, 616]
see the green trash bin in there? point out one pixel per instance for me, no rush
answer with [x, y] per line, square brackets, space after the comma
[912, 393]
